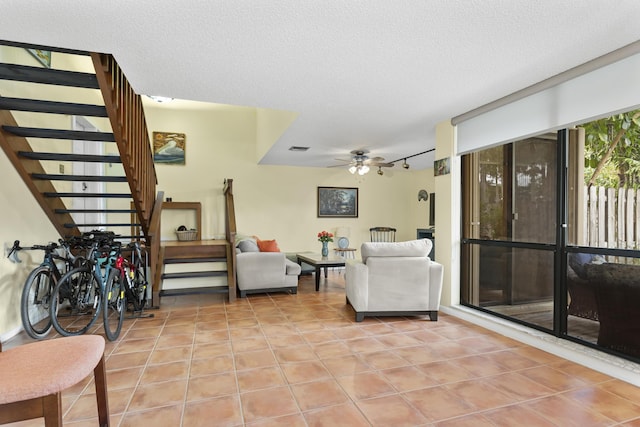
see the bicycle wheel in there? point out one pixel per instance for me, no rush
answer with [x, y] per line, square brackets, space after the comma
[115, 304]
[34, 305]
[76, 302]
[138, 291]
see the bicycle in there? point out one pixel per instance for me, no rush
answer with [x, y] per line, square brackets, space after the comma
[134, 279]
[78, 297]
[37, 289]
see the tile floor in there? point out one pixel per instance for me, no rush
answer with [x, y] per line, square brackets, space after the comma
[301, 360]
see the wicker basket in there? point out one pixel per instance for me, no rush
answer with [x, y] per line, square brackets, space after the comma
[187, 235]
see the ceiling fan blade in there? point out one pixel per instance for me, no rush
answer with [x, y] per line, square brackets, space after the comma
[382, 164]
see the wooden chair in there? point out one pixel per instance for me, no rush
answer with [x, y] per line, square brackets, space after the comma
[383, 234]
[33, 377]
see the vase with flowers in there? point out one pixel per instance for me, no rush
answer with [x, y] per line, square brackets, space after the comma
[325, 237]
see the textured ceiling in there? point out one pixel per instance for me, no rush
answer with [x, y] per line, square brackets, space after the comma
[374, 74]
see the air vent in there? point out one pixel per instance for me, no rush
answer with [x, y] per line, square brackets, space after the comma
[297, 148]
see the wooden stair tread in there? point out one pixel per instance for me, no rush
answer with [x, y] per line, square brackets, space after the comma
[91, 158]
[24, 73]
[59, 133]
[168, 261]
[51, 107]
[175, 250]
[194, 274]
[190, 291]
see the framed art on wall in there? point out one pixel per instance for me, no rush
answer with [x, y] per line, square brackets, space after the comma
[337, 202]
[43, 56]
[169, 148]
[441, 167]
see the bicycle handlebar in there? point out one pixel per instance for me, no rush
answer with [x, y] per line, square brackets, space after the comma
[16, 247]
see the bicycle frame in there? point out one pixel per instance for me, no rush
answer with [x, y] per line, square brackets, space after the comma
[128, 270]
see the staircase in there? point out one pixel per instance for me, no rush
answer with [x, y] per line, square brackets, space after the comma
[82, 179]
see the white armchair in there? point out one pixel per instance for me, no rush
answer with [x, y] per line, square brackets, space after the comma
[394, 279]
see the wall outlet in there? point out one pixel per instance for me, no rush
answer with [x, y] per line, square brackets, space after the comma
[61, 168]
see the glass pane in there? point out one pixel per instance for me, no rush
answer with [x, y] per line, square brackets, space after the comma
[534, 190]
[516, 192]
[492, 205]
[604, 182]
[511, 281]
[603, 301]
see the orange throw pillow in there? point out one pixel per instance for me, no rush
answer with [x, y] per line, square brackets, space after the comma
[268, 246]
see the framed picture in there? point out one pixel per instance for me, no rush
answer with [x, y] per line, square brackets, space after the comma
[43, 56]
[169, 148]
[441, 167]
[337, 202]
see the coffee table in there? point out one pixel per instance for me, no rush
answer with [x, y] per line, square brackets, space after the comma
[318, 262]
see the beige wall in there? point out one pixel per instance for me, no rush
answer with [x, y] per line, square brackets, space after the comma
[448, 221]
[223, 142]
[274, 201]
[22, 218]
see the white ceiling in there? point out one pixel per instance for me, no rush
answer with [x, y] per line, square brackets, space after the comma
[374, 74]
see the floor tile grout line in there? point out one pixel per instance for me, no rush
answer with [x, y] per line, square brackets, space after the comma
[315, 302]
[235, 370]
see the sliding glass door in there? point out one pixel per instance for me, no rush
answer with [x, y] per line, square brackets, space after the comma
[551, 233]
[510, 196]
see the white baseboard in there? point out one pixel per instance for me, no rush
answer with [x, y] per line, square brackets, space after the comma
[10, 334]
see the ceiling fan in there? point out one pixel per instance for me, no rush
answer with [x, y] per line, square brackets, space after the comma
[360, 163]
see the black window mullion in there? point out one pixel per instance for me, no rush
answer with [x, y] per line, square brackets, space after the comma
[560, 269]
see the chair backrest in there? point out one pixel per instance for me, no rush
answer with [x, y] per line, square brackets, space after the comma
[412, 249]
[383, 234]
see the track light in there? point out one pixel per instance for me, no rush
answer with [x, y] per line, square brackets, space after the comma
[405, 164]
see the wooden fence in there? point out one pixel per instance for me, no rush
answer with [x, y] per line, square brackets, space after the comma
[611, 218]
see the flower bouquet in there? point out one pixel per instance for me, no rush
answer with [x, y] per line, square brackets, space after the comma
[325, 237]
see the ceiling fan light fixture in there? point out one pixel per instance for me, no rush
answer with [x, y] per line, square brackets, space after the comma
[353, 169]
[363, 169]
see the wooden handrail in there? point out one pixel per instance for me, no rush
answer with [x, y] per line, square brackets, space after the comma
[230, 231]
[129, 127]
[153, 245]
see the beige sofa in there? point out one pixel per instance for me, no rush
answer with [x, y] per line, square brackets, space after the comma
[260, 272]
[394, 279]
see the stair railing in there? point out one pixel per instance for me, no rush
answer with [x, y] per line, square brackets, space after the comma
[129, 127]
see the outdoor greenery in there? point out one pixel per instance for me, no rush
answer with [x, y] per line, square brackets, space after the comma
[612, 151]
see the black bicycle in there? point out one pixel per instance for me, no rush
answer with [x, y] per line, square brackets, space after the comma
[137, 286]
[78, 297]
[36, 292]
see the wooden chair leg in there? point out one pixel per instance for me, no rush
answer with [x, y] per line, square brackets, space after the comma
[100, 376]
[52, 410]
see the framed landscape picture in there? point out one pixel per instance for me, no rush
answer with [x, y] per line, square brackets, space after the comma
[337, 202]
[169, 148]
